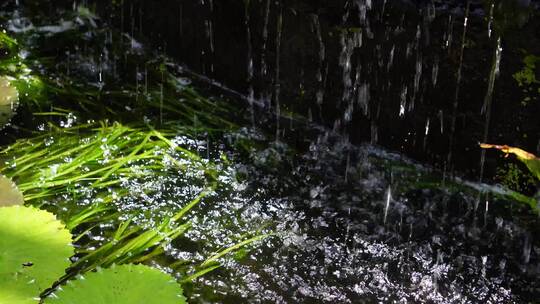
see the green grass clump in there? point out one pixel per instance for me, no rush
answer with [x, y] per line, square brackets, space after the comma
[98, 158]
[55, 169]
[94, 156]
[81, 170]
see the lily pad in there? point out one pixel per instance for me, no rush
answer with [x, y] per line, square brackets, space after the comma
[34, 253]
[125, 284]
[9, 100]
[10, 195]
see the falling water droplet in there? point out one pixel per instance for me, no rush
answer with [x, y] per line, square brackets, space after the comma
[387, 205]
[277, 85]
[484, 262]
[458, 85]
[488, 100]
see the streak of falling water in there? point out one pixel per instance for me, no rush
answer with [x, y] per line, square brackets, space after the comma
[264, 67]
[490, 22]
[181, 20]
[278, 58]
[322, 56]
[484, 262]
[266, 95]
[121, 21]
[418, 67]
[486, 108]
[251, 92]
[363, 96]
[210, 34]
[458, 84]
[387, 206]
[435, 71]
[417, 78]
[403, 102]
[140, 21]
[100, 72]
[137, 85]
[429, 17]
[161, 103]
[486, 212]
[349, 41]
[441, 120]
[426, 133]
[449, 34]
[145, 80]
[161, 97]
[363, 7]
[374, 132]
[132, 18]
[527, 246]
[347, 166]
[391, 58]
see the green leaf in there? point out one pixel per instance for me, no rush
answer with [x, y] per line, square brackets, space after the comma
[9, 100]
[34, 252]
[125, 284]
[7, 42]
[533, 165]
[10, 195]
[530, 160]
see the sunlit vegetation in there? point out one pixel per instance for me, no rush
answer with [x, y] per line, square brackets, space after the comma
[530, 160]
[527, 78]
[121, 284]
[80, 169]
[36, 248]
[514, 177]
[35, 251]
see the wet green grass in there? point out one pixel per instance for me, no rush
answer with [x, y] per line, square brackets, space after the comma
[66, 161]
[118, 132]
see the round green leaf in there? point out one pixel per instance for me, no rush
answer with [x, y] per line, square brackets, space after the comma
[34, 253]
[9, 193]
[9, 100]
[125, 284]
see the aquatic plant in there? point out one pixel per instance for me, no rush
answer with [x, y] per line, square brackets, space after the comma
[162, 94]
[35, 252]
[81, 171]
[9, 193]
[92, 162]
[120, 284]
[98, 156]
[513, 177]
[8, 45]
[9, 97]
[527, 75]
[530, 160]
[527, 79]
[132, 244]
[34, 249]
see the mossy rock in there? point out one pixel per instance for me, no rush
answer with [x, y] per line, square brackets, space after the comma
[34, 252]
[125, 284]
[10, 195]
